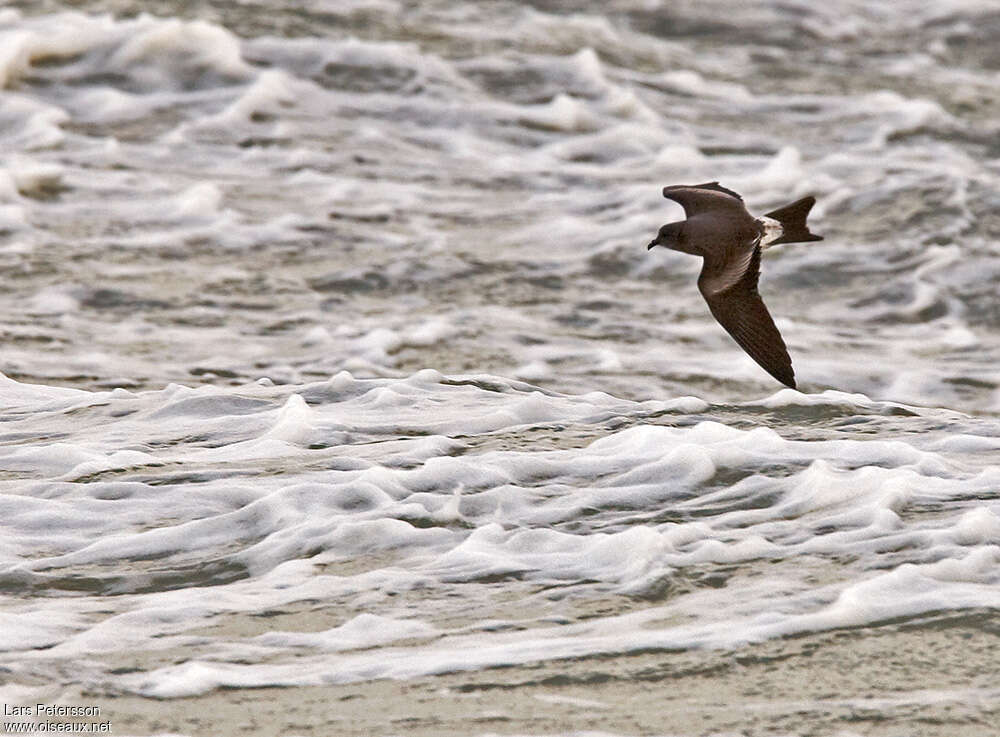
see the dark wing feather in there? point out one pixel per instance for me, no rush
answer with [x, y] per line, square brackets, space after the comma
[707, 197]
[730, 288]
[716, 187]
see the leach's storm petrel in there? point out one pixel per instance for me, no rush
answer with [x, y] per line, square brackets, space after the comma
[719, 228]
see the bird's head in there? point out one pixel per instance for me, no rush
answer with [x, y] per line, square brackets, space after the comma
[668, 236]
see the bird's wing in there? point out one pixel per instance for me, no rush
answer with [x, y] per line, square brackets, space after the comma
[715, 187]
[707, 197]
[729, 286]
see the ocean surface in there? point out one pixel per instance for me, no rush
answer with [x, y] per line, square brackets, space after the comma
[332, 351]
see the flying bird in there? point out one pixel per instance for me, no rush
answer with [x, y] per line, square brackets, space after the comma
[730, 239]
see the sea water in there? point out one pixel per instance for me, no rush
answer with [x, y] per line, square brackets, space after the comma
[350, 303]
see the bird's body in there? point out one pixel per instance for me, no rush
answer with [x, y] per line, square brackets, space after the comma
[730, 239]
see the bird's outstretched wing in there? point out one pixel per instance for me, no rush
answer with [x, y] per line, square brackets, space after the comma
[730, 288]
[707, 197]
[715, 187]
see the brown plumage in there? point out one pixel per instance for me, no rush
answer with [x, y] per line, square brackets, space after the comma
[730, 239]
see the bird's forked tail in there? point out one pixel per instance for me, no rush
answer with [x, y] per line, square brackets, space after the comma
[793, 222]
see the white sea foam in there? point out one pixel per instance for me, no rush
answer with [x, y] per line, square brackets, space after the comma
[356, 339]
[509, 505]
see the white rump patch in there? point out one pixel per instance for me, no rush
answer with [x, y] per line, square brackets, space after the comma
[772, 230]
